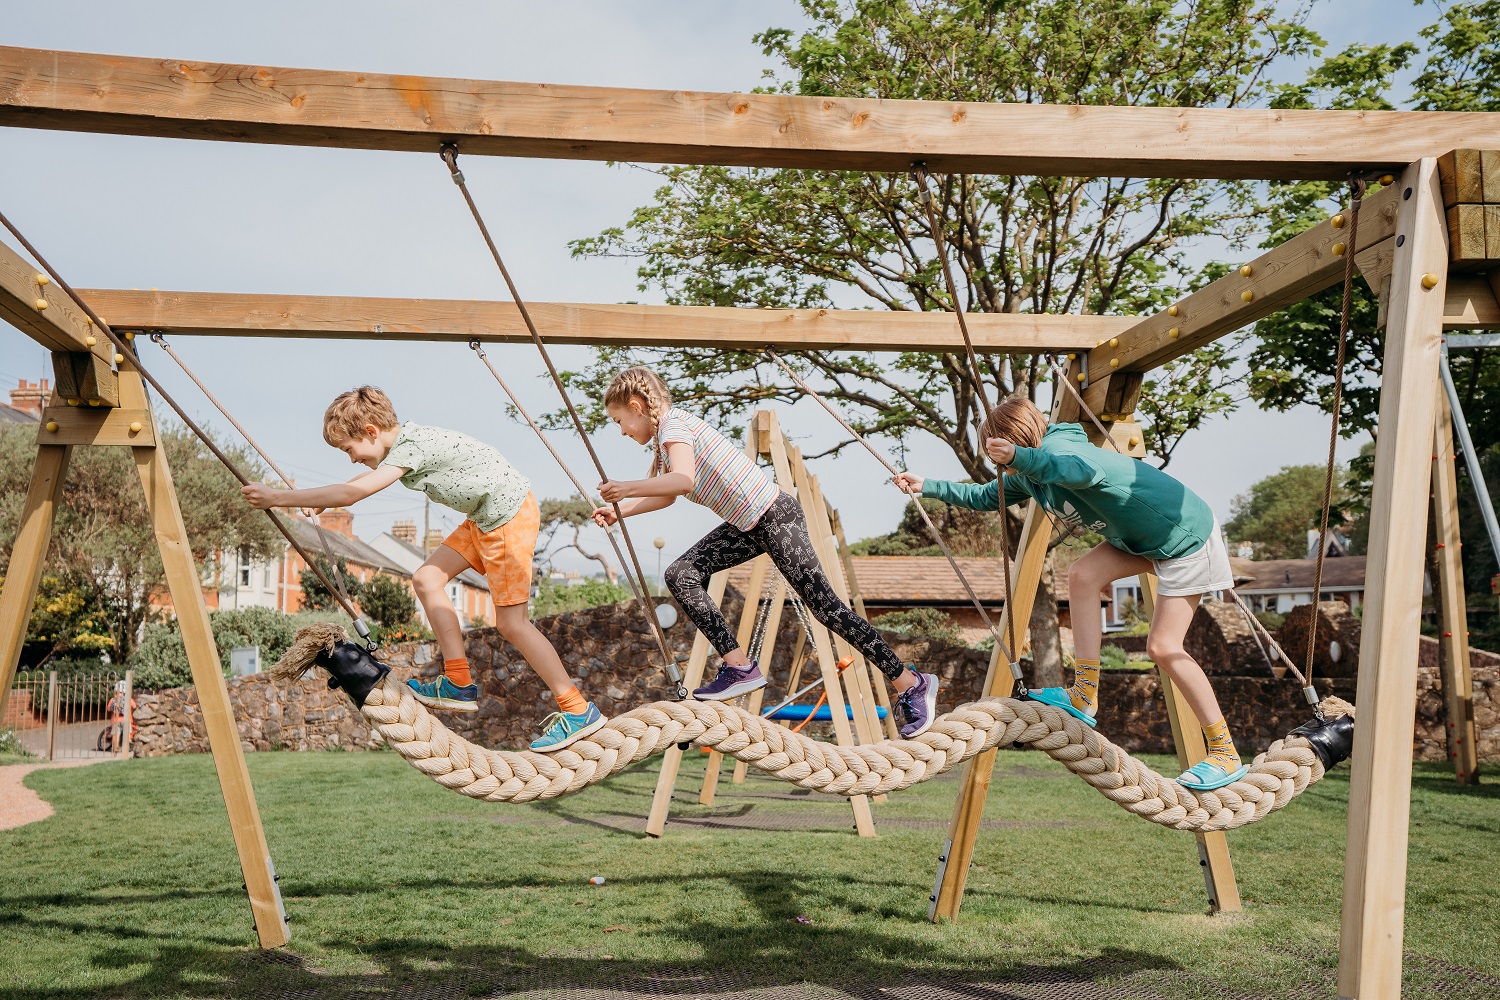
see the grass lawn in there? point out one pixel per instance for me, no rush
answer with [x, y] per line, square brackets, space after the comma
[396, 886]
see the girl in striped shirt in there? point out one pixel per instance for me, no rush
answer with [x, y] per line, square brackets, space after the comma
[704, 466]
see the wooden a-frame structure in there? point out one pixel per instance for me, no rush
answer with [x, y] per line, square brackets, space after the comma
[1429, 242]
[853, 694]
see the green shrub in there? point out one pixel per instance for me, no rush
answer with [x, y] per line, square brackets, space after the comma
[160, 660]
[388, 601]
[1112, 658]
[1270, 619]
[920, 623]
[11, 745]
[554, 600]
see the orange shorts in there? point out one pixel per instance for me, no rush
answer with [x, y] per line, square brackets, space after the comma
[503, 555]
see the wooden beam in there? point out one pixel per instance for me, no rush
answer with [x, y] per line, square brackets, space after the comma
[1187, 737]
[338, 318]
[86, 425]
[33, 304]
[1380, 785]
[18, 592]
[1304, 264]
[1453, 638]
[181, 99]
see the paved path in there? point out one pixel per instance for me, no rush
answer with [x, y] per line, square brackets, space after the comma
[19, 805]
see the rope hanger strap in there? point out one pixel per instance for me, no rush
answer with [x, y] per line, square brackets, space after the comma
[1274, 778]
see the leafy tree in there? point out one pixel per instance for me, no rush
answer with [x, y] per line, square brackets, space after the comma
[103, 542]
[966, 533]
[569, 517]
[316, 597]
[388, 600]
[1276, 513]
[67, 620]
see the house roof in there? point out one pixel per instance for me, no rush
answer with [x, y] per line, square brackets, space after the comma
[412, 555]
[11, 415]
[1339, 573]
[353, 550]
[926, 579]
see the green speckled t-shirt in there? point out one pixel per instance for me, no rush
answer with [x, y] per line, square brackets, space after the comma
[459, 472]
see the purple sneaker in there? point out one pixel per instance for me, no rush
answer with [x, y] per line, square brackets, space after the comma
[732, 682]
[918, 706]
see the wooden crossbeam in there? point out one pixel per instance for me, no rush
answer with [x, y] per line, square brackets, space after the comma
[31, 303]
[339, 318]
[125, 95]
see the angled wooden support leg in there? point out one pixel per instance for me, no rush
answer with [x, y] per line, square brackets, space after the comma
[1374, 907]
[759, 570]
[1187, 737]
[963, 829]
[1453, 642]
[19, 593]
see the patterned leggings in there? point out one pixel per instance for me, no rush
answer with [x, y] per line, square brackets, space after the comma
[781, 533]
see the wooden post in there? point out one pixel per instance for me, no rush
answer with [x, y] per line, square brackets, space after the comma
[19, 592]
[128, 726]
[963, 828]
[1187, 737]
[857, 602]
[671, 761]
[1453, 642]
[748, 614]
[51, 714]
[1380, 789]
[767, 663]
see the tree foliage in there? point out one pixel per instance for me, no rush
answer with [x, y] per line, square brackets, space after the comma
[803, 238]
[316, 597]
[568, 518]
[1276, 513]
[103, 543]
[387, 600]
[965, 532]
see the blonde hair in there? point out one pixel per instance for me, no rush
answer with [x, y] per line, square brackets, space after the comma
[1018, 421]
[640, 382]
[350, 411]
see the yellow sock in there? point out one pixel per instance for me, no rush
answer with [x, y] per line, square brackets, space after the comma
[1084, 694]
[458, 671]
[572, 702]
[1220, 747]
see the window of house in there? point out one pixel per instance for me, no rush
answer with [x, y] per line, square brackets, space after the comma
[244, 561]
[1126, 596]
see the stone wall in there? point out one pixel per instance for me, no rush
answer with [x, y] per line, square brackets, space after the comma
[612, 656]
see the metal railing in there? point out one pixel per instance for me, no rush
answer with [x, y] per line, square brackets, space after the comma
[72, 715]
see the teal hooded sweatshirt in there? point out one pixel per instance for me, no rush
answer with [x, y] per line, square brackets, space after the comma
[1136, 507]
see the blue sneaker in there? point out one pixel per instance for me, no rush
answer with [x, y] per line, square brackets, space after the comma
[443, 693]
[731, 682]
[1058, 698]
[561, 728]
[1207, 775]
[917, 706]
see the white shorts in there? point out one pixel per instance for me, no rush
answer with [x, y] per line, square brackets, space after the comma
[1197, 572]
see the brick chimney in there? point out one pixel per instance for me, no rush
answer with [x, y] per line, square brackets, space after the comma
[434, 539]
[337, 519]
[406, 531]
[30, 398]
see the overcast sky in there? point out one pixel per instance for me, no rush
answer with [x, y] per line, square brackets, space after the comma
[115, 211]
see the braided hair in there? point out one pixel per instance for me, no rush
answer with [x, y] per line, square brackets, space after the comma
[640, 382]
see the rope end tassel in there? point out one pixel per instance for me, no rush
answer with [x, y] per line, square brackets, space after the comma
[1274, 778]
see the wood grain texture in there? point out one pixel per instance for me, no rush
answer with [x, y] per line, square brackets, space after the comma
[34, 534]
[61, 325]
[96, 426]
[456, 320]
[1453, 637]
[1380, 785]
[183, 99]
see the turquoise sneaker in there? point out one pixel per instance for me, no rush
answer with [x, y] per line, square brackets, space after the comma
[561, 728]
[443, 693]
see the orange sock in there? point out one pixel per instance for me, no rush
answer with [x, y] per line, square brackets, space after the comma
[572, 702]
[458, 671]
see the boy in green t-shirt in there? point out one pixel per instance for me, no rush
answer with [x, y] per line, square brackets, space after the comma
[1151, 523]
[498, 539]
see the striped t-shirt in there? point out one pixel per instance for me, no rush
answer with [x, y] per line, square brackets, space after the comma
[724, 479]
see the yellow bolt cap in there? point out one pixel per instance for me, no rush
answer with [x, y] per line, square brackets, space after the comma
[41, 304]
[42, 279]
[1246, 270]
[52, 426]
[91, 341]
[94, 402]
[1174, 333]
[129, 334]
[1338, 249]
[135, 427]
[1072, 357]
[1387, 178]
[1081, 376]
[1114, 341]
[1246, 295]
[72, 400]
[1337, 222]
[1114, 362]
[1429, 281]
[119, 357]
[1172, 310]
[1134, 442]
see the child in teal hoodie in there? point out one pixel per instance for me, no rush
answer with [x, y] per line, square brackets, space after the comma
[1151, 523]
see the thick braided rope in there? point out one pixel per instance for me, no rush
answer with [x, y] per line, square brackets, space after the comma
[1274, 779]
